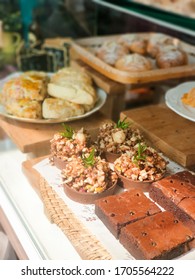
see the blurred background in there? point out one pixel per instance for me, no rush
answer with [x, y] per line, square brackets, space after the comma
[26, 24]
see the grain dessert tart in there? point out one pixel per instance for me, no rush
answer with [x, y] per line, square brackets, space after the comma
[88, 177]
[118, 210]
[115, 139]
[176, 193]
[68, 143]
[157, 237]
[111, 51]
[140, 166]
[133, 63]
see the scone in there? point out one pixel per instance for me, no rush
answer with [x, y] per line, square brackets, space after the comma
[22, 96]
[24, 108]
[133, 63]
[54, 108]
[72, 87]
[70, 74]
[189, 98]
[111, 51]
[33, 87]
[171, 58]
[134, 43]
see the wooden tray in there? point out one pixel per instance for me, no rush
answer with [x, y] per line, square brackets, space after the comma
[169, 132]
[85, 49]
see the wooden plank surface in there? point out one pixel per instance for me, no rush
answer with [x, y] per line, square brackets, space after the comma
[169, 132]
[35, 138]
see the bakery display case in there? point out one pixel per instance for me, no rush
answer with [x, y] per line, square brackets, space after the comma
[181, 21]
[52, 213]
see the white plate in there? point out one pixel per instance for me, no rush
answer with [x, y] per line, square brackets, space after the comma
[173, 100]
[100, 102]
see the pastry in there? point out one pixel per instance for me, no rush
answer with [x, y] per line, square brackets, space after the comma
[30, 85]
[133, 63]
[73, 86]
[111, 51]
[22, 96]
[24, 108]
[135, 43]
[171, 58]
[54, 108]
[157, 41]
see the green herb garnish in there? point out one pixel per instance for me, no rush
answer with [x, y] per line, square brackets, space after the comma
[90, 160]
[122, 124]
[139, 155]
[68, 133]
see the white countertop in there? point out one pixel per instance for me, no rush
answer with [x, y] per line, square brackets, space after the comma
[24, 210]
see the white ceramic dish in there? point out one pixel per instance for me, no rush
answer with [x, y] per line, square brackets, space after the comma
[100, 102]
[173, 100]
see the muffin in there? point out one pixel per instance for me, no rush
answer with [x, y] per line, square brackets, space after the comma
[111, 51]
[133, 63]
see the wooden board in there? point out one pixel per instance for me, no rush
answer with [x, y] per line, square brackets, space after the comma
[85, 49]
[169, 132]
[32, 174]
[35, 138]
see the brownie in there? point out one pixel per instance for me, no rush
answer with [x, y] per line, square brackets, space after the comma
[118, 210]
[185, 176]
[157, 237]
[176, 193]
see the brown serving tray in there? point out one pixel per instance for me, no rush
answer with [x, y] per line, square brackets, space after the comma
[85, 50]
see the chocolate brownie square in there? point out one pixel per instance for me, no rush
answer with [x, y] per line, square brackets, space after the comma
[158, 237]
[176, 193]
[118, 210]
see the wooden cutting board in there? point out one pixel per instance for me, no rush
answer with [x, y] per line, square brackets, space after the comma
[35, 138]
[167, 131]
